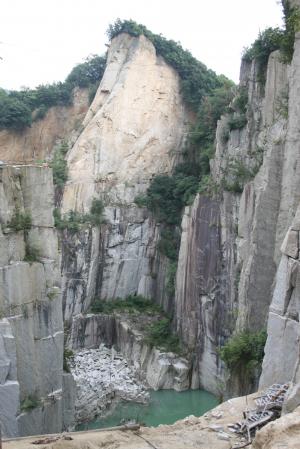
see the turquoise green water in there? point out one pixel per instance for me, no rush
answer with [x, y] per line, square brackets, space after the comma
[165, 407]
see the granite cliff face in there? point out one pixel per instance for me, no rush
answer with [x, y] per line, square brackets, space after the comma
[32, 382]
[133, 130]
[230, 245]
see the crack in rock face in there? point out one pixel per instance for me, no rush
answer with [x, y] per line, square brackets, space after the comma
[103, 377]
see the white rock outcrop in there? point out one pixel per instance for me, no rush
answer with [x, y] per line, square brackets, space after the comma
[133, 130]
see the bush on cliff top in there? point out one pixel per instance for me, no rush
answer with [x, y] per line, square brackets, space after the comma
[197, 80]
[16, 107]
[272, 39]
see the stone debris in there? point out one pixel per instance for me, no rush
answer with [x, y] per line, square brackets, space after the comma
[268, 408]
[103, 377]
[223, 436]
[216, 415]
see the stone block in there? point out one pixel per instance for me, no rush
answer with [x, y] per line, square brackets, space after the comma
[292, 400]
[290, 245]
[9, 405]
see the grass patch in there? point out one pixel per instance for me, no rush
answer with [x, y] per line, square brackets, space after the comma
[31, 402]
[159, 335]
[32, 254]
[21, 221]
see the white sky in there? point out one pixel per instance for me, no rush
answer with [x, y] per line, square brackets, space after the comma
[42, 40]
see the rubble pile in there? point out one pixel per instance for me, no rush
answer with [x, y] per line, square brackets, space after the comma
[103, 377]
[268, 408]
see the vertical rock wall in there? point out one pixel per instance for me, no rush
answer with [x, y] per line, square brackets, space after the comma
[228, 286]
[283, 364]
[133, 130]
[31, 325]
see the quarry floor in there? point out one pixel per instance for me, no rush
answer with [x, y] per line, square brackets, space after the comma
[205, 432]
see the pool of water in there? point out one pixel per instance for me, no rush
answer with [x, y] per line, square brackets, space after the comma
[165, 407]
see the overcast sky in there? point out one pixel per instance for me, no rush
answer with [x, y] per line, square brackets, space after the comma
[42, 40]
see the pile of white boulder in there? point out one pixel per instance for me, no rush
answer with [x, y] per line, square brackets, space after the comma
[103, 377]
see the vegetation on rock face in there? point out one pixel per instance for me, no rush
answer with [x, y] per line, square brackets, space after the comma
[244, 352]
[159, 334]
[30, 402]
[17, 107]
[68, 354]
[59, 165]
[32, 253]
[197, 80]
[130, 304]
[73, 221]
[21, 221]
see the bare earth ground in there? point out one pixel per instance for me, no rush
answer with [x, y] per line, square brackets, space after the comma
[186, 434]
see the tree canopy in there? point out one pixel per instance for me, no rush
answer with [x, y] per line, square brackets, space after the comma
[16, 107]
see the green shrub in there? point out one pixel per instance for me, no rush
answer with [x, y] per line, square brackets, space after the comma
[141, 200]
[244, 351]
[238, 174]
[73, 221]
[14, 114]
[292, 25]
[237, 122]
[32, 253]
[169, 242]
[40, 113]
[196, 79]
[59, 165]
[21, 221]
[88, 73]
[131, 304]
[17, 107]
[239, 104]
[211, 108]
[275, 39]
[159, 335]
[30, 402]
[171, 277]
[95, 217]
[68, 354]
